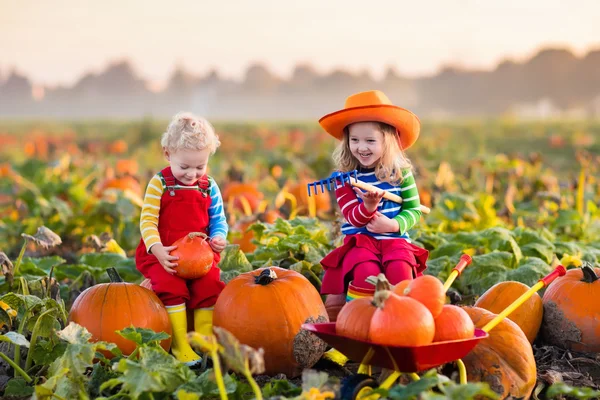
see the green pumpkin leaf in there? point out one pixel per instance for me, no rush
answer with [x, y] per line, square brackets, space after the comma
[46, 351]
[155, 371]
[15, 338]
[143, 336]
[17, 387]
[529, 271]
[501, 239]
[206, 385]
[233, 259]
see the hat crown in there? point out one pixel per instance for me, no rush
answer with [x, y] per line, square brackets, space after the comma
[370, 98]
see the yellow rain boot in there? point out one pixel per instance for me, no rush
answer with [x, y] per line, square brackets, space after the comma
[352, 294]
[203, 321]
[180, 347]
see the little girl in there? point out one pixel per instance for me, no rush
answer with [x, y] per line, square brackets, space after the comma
[374, 134]
[181, 199]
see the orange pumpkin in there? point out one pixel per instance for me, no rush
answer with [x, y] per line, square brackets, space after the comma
[126, 167]
[429, 290]
[571, 310]
[122, 183]
[119, 146]
[528, 316]
[401, 286]
[453, 323]
[195, 255]
[245, 241]
[266, 308]
[354, 319]
[416, 326]
[504, 360]
[234, 191]
[102, 309]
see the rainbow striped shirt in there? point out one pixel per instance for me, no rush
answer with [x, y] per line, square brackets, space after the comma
[357, 217]
[151, 209]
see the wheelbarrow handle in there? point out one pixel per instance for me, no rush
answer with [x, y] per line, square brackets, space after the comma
[465, 260]
[545, 281]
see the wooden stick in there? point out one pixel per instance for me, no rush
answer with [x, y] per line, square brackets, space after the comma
[387, 195]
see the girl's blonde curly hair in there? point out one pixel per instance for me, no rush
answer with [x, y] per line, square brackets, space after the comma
[393, 161]
[188, 131]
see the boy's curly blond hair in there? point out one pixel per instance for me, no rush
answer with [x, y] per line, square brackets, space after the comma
[188, 131]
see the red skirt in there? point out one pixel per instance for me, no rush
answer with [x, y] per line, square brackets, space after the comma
[360, 248]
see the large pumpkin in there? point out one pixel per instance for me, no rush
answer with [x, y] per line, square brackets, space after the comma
[572, 310]
[266, 308]
[504, 360]
[102, 309]
[528, 316]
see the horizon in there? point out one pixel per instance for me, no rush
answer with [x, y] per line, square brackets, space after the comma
[156, 39]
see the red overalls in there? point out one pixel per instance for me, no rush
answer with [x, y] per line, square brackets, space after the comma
[182, 210]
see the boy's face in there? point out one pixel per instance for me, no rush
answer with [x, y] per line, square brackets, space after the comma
[188, 165]
[366, 143]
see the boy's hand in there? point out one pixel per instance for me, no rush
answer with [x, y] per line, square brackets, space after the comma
[164, 258]
[218, 244]
[370, 199]
[382, 224]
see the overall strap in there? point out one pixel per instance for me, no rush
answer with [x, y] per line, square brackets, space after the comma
[204, 185]
[169, 180]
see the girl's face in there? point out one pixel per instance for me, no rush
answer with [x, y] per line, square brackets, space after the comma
[188, 165]
[366, 143]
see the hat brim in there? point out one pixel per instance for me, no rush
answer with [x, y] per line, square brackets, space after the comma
[406, 122]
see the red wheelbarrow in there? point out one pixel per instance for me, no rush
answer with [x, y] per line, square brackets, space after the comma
[412, 359]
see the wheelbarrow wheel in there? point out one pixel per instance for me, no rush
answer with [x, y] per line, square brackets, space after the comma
[352, 385]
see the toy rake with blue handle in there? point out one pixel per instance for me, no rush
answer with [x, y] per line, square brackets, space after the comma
[338, 179]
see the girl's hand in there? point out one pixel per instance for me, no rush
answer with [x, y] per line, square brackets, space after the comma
[164, 258]
[381, 224]
[370, 199]
[217, 244]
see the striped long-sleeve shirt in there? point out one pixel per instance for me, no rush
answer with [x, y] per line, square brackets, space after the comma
[217, 225]
[357, 217]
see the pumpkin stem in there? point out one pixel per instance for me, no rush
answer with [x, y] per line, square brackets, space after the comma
[380, 297]
[589, 275]
[192, 235]
[380, 282]
[113, 275]
[266, 276]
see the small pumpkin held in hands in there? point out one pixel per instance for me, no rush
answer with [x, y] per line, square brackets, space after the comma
[195, 255]
[571, 310]
[107, 307]
[266, 308]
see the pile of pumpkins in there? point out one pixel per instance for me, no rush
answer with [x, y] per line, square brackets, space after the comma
[425, 318]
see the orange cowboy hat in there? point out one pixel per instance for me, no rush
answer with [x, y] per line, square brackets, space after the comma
[373, 105]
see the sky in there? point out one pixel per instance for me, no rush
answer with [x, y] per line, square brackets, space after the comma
[56, 42]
